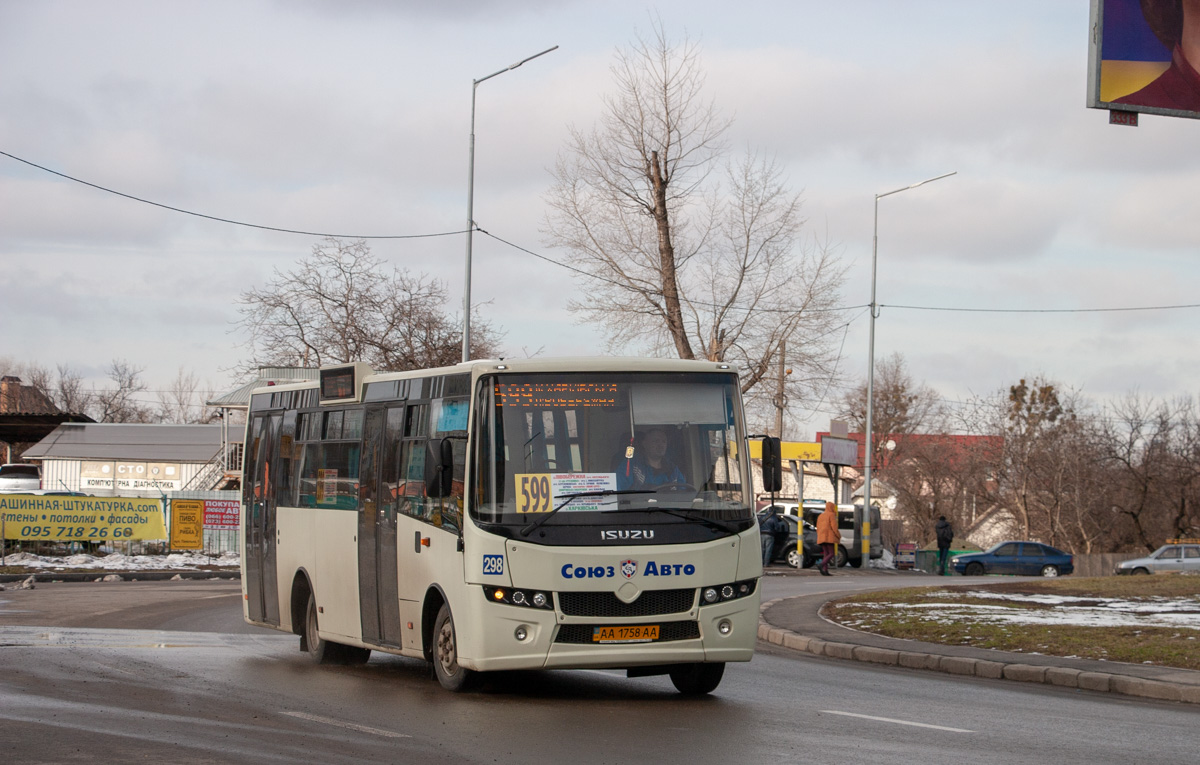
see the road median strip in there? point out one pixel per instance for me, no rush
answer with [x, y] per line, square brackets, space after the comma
[1064, 677]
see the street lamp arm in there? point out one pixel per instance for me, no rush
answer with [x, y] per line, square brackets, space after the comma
[913, 186]
[514, 66]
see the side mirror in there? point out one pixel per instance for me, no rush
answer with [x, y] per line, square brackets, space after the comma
[772, 465]
[439, 468]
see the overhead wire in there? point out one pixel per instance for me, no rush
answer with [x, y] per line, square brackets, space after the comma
[1040, 310]
[228, 220]
[302, 232]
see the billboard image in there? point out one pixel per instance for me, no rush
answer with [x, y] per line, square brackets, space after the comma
[1144, 56]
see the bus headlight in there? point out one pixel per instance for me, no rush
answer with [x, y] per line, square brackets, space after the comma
[725, 627]
[724, 592]
[515, 597]
[521, 633]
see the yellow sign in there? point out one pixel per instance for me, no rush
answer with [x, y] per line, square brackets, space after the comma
[63, 518]
[187, 524]
[789, 450]
[533, 492]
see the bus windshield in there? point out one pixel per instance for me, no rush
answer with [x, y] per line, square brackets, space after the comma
[571, 451]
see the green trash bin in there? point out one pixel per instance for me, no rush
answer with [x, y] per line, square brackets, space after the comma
[927, 561]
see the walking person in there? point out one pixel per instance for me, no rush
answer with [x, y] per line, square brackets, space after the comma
[828, 536]
[772, 528]
[945, 536]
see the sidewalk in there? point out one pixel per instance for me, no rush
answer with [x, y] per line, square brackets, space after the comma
[796, 623]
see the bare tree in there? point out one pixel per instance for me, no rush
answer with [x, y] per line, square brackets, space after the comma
[689, 252]
[931, 471]
[902, 406]
[64, 387]
[937, 474]
[183, 401]
[1152, 451]
[120, 402]
[1047, 433]
[341, 305]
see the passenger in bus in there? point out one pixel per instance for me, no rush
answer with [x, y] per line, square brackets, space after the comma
[650, 466]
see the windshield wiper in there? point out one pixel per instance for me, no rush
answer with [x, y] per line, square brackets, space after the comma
[686, 514]
[572, 497]
[692, 515]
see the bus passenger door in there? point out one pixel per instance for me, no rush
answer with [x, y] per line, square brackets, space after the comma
[378, 597]
[261, 578]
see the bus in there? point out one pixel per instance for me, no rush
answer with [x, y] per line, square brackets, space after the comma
[507, 515]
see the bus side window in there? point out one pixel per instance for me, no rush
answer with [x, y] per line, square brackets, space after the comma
[411, 482]
[286, 476]
[392, 452]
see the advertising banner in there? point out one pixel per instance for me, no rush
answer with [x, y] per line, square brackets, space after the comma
[187, 524]
[221, 513]
[839, 451]
[61, 518]
[161, 476]
[1138, 58]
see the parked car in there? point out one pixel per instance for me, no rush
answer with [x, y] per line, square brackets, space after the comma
[1176, 556]
[786, 551]
[1020, 558]
[20, 477]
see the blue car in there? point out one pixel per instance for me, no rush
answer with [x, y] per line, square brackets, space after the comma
[1019, 558]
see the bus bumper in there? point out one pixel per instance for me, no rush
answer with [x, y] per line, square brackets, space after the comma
[543, 647]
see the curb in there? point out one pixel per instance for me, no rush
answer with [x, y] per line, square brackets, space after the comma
[993, 670]
[130, 575]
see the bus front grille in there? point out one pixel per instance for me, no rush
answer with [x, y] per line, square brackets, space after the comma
[606, 604]
[582, 634]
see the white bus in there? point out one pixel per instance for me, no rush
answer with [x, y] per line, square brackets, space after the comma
[501, 515]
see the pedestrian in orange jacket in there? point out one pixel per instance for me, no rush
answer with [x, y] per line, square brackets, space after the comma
[828, 536]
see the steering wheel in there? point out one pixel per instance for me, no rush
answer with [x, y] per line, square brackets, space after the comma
[675, 486]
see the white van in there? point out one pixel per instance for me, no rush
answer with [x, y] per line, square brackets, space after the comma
[19, 477]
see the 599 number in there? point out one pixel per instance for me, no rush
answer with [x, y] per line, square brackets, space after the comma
[533, 493]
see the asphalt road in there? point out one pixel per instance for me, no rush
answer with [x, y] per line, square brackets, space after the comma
[166, 671]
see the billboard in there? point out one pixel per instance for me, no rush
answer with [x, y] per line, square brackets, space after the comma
[839, 451]
[1138, 60]
[164, 476]
[68, 518]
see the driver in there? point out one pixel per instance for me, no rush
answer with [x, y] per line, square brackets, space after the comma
[650, 466]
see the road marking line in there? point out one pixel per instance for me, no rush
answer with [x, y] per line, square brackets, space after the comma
[342, 724]
[898, 722]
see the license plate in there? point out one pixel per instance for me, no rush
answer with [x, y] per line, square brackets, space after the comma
[641, 633]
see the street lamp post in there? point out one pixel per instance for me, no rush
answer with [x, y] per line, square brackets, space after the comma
[466, 347]
[866, 521]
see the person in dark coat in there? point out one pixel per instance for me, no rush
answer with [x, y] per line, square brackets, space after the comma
[945, 536]
[772, 528]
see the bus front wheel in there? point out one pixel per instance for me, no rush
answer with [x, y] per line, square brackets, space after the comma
[697, 679]
[445, 654]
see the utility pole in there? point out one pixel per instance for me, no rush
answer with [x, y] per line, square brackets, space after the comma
[780, 400]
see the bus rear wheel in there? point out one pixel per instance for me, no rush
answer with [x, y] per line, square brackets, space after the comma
[327, 651]
[697, 679]
[445, 654]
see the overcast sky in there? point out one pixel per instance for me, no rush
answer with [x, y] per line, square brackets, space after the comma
[353, 118]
